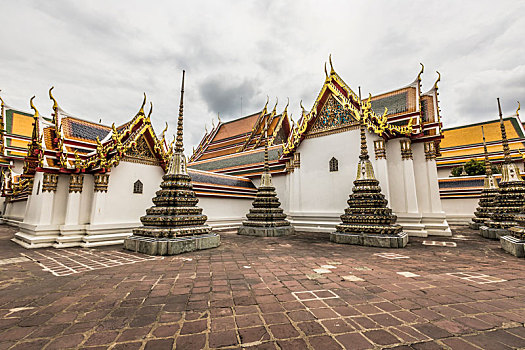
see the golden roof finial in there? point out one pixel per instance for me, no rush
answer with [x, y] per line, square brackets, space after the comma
[55, 104]
[148, 119]
[325, 71]
[164, 132]
[437, 81]
[276, 102]
[219, 117]
[266, 104]
[421, 71]
[287, 103]
[141, 110]
[332, 71]
[302, 107]
[114, 129]
[206, 129]
[36, 115]
[518, 110]
[212, 123]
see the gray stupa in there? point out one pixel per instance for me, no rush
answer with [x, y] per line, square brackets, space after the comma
[266, 218]
[174, 224]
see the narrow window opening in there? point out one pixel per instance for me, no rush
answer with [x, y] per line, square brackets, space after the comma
[334, 164]
[138, 187]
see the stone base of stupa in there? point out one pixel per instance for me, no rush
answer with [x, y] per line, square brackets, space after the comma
[492, 233]
[475, 225]
[399, 240]
[265, 231]
[171, 246]
[513, 246]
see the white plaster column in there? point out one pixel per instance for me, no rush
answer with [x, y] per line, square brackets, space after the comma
[37, 230]
[72, 230]
[411, 218]
[381, 167]
[435, 221]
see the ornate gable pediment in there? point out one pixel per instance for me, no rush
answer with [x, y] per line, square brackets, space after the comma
[140, 152]
[333, 118]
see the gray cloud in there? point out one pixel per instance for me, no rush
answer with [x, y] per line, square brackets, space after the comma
[223, 95]
[102, 55]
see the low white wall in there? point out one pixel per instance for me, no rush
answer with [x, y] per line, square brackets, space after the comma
[225, 213]
[459, 210]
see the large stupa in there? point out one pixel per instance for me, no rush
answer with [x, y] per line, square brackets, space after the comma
[511, 196]
[174, 224]
[368, 221]
[490, 190]
[266, 218]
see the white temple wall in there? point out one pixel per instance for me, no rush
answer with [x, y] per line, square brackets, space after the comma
[116, 212]
[318, 197]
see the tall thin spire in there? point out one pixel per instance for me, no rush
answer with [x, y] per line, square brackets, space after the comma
[506, 149]
[364, 150]
[488, 169]
[266, 166]
[179, 145]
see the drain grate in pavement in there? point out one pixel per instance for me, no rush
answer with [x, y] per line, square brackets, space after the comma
[476, 277]
[440, 244]
[71, 261]
[320, 294]
[391, 256]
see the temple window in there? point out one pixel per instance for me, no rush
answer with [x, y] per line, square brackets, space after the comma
[334, 164]
[138, 187]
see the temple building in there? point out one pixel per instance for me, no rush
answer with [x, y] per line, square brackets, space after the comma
[71, 177]
[460, 195]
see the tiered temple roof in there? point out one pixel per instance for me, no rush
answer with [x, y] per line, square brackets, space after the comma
[236, 147]
[463, 143]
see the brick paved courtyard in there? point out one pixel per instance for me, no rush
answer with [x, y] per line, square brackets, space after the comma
[300, 292]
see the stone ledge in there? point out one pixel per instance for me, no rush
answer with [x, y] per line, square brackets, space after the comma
[266, 231]
[370, 240]
[513, 246]
[171, 246]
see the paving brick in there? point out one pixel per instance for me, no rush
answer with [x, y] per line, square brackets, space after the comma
[324, 343]
[159, 344]
[193, 341]
[221, 339]
[381, 337]
[354, 341]
[283, 331]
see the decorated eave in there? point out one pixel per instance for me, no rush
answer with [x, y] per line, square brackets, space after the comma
[215, 144]
[404, 123]
[73, 145]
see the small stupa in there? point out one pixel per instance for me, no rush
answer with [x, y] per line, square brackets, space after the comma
[490, 190]
[511, 196]
[368, 221]
[266, 218]
[174, 224]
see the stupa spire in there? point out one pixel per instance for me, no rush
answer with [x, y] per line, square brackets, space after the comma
[504, 141]
[179, 144]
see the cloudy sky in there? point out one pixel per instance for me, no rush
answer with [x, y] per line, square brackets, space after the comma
[102, 55]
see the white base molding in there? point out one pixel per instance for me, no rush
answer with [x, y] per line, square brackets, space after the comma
[436, 224]
[36, 236]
